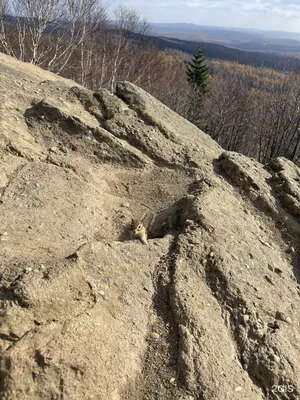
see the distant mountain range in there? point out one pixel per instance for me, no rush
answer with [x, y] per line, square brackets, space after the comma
[243, 39]
[217, 51]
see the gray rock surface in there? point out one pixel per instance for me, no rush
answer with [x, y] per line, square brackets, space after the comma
[210, 309]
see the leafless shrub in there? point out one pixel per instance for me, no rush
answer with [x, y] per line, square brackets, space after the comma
[275, 120]
[225, 113]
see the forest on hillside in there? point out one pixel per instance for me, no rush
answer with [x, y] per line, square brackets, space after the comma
[249, 109]
[217, 51]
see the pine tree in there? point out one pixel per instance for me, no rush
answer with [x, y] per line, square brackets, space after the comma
[197, 71]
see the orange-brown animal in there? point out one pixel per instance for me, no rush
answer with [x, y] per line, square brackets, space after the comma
[139, 228]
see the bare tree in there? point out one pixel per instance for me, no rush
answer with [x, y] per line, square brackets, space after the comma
[5, 28]
[225, 113]
[129, 27]
[84, 18]
[48, 31]
[276, 120]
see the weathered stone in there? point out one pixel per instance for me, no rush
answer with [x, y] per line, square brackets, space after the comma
[79, 299]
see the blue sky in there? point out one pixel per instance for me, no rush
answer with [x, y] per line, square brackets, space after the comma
[259, 14]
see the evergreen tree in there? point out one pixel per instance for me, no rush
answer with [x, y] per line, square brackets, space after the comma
[197, 71]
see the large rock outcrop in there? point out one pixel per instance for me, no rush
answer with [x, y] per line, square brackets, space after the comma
[210, 309]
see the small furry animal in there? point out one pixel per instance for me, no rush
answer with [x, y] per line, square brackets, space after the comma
[139, 228]
[152, 225]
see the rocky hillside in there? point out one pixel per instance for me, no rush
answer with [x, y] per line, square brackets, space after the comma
[209, 309]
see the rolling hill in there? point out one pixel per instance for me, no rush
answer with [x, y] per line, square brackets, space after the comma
[243, 39]
[217, 51]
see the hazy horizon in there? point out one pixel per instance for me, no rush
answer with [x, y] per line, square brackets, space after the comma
[221, 27]
[278, 15]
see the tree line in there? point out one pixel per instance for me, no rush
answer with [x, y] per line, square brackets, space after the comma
[252, 110]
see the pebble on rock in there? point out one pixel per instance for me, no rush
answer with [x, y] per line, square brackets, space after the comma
[154, 335]
[291, 250]
[245, 318]
[260, 333]
[238, 389]
[275, 358]
[282, 317]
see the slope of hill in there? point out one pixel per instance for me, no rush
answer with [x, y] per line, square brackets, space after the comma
[281, 46]
[244, 39]
[217, 51]
[202, 33]
[209, 309]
